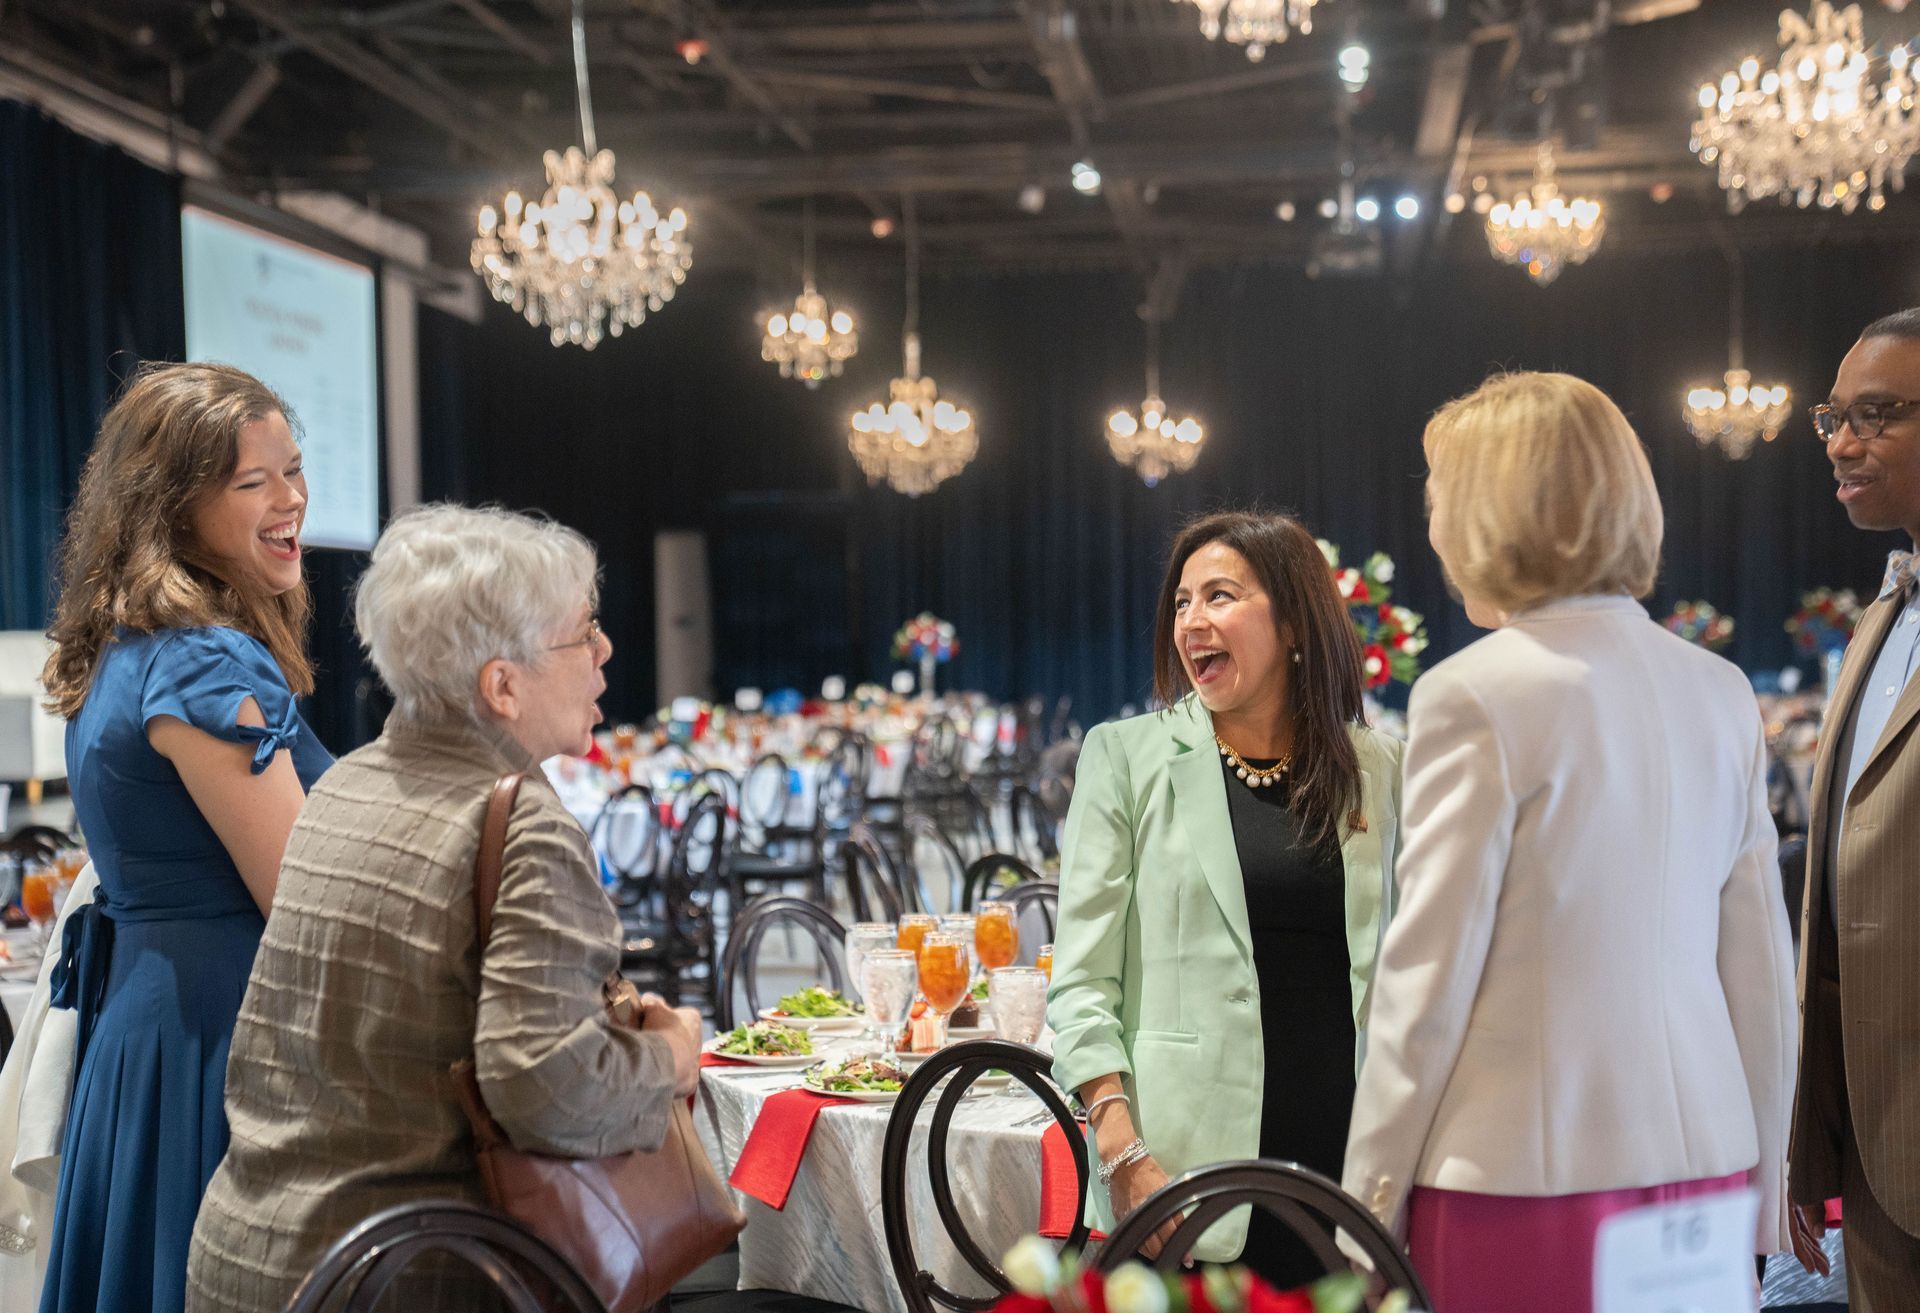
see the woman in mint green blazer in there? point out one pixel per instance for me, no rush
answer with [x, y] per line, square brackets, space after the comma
[1226, 876]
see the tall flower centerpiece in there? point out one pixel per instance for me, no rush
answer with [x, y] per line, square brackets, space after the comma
[929, 640]
[1046, 1281]
[1700, 624]
[1391, 637]
[1823, 626]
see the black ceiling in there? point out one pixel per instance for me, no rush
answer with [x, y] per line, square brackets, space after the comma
[428, 108]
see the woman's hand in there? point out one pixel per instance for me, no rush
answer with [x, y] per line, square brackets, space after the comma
[1806, 1223]
[680, 1027]
[1129, 1188]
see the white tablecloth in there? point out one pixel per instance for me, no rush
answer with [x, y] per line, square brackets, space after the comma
[830, 1241]
[17, 975]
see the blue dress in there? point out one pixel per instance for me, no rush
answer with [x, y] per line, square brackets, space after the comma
[156, 966]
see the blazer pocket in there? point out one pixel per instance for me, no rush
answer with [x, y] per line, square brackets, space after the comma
[1160, 1037]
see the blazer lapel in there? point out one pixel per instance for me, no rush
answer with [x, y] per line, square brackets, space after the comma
[1904, 710]
[1200, 797]
[1862, 652]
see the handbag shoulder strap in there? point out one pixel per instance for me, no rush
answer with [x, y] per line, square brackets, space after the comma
[492, 852]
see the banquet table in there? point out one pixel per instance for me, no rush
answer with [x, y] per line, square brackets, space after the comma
[829, 1241]
[18, 975]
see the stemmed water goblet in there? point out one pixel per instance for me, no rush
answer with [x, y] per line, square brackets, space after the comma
[888, 977]
[864, 939]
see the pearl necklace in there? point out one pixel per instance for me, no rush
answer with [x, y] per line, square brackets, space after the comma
[1254, 777]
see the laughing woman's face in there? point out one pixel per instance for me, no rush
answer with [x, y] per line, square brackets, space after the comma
[251, 527]
[1223, 627]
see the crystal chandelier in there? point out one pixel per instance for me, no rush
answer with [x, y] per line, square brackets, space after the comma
[581, 260]
[1152, 441]
[1815, 127]
[1542, 230]
[1738, 414]
[916, 441]
[812, 341]
[1255, 24]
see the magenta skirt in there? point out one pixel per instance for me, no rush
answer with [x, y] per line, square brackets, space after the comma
[1489, 1253]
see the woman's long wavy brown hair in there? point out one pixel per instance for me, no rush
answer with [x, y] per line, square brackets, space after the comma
[1324, 688]
[130, 557]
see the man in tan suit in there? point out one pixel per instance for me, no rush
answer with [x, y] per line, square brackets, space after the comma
[1856, 1119]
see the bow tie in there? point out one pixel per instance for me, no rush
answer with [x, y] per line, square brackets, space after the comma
[1901, 569]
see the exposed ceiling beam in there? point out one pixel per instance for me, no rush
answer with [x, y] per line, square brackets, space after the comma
[917, 32]
[245, 103]
[701, 22]
[905, 89]
[509, 35]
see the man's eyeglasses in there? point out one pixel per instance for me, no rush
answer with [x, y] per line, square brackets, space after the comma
[1867, 419]
[592, 636]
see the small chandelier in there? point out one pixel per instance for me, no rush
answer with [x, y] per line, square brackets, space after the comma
[1542, 230]
[581, 260]
[1255, 24]
[916, 441]
[1152, 441]
[1737, 415]
[812, 341]
[1814, 128]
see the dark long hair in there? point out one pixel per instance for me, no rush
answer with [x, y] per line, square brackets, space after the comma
[1325, 685]
[129, 555]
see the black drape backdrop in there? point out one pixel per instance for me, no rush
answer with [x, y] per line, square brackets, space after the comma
[1045, 553]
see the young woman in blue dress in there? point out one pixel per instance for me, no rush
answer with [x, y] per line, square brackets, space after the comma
[179, 648]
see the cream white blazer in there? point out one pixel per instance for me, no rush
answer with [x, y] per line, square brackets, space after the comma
[1588, 983]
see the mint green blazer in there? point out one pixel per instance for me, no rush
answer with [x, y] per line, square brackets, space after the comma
[1153, 971]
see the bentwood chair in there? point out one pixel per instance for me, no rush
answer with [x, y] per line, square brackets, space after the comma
[966, 1062]
[353, 1275]
[873, 893]
[1035, 900]
[934, 859]
[992, 876]
[1030, 816]
[1310, 1205]
[627, 834]
[740, 967]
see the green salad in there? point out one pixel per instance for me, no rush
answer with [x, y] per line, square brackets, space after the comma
[980, 991]
[814, 1001]
[857, 1076]
[765, 1039]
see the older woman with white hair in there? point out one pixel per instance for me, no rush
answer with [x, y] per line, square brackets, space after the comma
[371, 980]
[1585, 1001]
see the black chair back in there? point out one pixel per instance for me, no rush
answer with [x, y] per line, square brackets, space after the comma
[763, 794]
[980, 822]
[992, 876]
[965, 1062]
[37, 842]
[740, 966]
[1035, 897]
[353, 1275]
[1030, 815]
[627, 834]
[843, 783]
[1308, 1203]
[928, 847]
[872, 889]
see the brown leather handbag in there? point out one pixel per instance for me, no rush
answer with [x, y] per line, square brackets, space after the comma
[632, 1224]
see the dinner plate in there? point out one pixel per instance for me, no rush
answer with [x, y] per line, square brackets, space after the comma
[776, 1061]
[810, 1023]
[970, 1032]
[858, 1096]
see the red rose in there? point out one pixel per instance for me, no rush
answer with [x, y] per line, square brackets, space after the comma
[1093, 1290]
[1376, 664]
[1015, 1302]
[1196, 1288]
[1386, 612]
[1360, 593]
[1263, 1298]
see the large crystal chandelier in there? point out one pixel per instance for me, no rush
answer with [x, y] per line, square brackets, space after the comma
[1543, 231]
[1736, 414]
[916, 441]
[1151, 440]
[1815, 127]
[1255, 24]
[813, 341]
[581, 260]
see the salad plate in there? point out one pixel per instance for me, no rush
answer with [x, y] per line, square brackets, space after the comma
[864, 1080]
[764, 1044]
[814, 1008]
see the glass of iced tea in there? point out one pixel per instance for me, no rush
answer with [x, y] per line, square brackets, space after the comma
[996, 935]
[945, 977]
[914, 927]
[1043, 960]
[39, 898]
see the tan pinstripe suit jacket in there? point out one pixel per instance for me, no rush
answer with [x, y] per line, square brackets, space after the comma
[1878, 920]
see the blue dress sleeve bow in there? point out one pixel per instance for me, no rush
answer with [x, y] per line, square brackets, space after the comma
[201, 676]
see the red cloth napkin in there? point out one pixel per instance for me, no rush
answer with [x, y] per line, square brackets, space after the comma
[1059, 1185]
[771, 1156]
[717, 1060]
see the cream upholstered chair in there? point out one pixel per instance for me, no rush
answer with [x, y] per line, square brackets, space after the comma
[32, 742]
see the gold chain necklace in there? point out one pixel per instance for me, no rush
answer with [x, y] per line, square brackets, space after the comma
[1255, 777]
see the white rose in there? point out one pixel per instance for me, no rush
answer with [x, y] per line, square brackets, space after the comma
[1032, 1266]
[1329, 551]
[1384, 570]
[1135, 1288]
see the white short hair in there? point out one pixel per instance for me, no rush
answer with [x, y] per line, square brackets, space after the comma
[451, 588]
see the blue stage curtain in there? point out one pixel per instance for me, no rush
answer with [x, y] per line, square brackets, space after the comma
[90, 286]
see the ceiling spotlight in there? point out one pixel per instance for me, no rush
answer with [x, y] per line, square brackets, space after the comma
[1329, 208]
[1455, 202]
[1086, 178]
[1033, 198]
[692, 49]
[1355, 62]
[881, 227]
[1407, 207]
[1482, 202]
[1284, 211]
[1366, 209]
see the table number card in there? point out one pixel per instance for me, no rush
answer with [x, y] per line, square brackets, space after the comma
[1693, 1256]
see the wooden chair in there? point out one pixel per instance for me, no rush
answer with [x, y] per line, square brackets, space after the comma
[353, 1275]
[965, 1062]
[1310, 1205]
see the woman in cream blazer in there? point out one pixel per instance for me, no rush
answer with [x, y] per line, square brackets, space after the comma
[1585, 1002]
[1156, 1001]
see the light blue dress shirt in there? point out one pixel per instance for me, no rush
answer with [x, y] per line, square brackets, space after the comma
[1892, 668]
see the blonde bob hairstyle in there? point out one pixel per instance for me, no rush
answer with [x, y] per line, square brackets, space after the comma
[1543, 492]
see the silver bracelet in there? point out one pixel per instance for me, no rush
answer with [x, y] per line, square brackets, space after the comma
[1101, 1102]
[1133, 1153]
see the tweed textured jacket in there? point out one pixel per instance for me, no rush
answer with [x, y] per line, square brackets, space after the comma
[1878, 926]
[370, 983]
